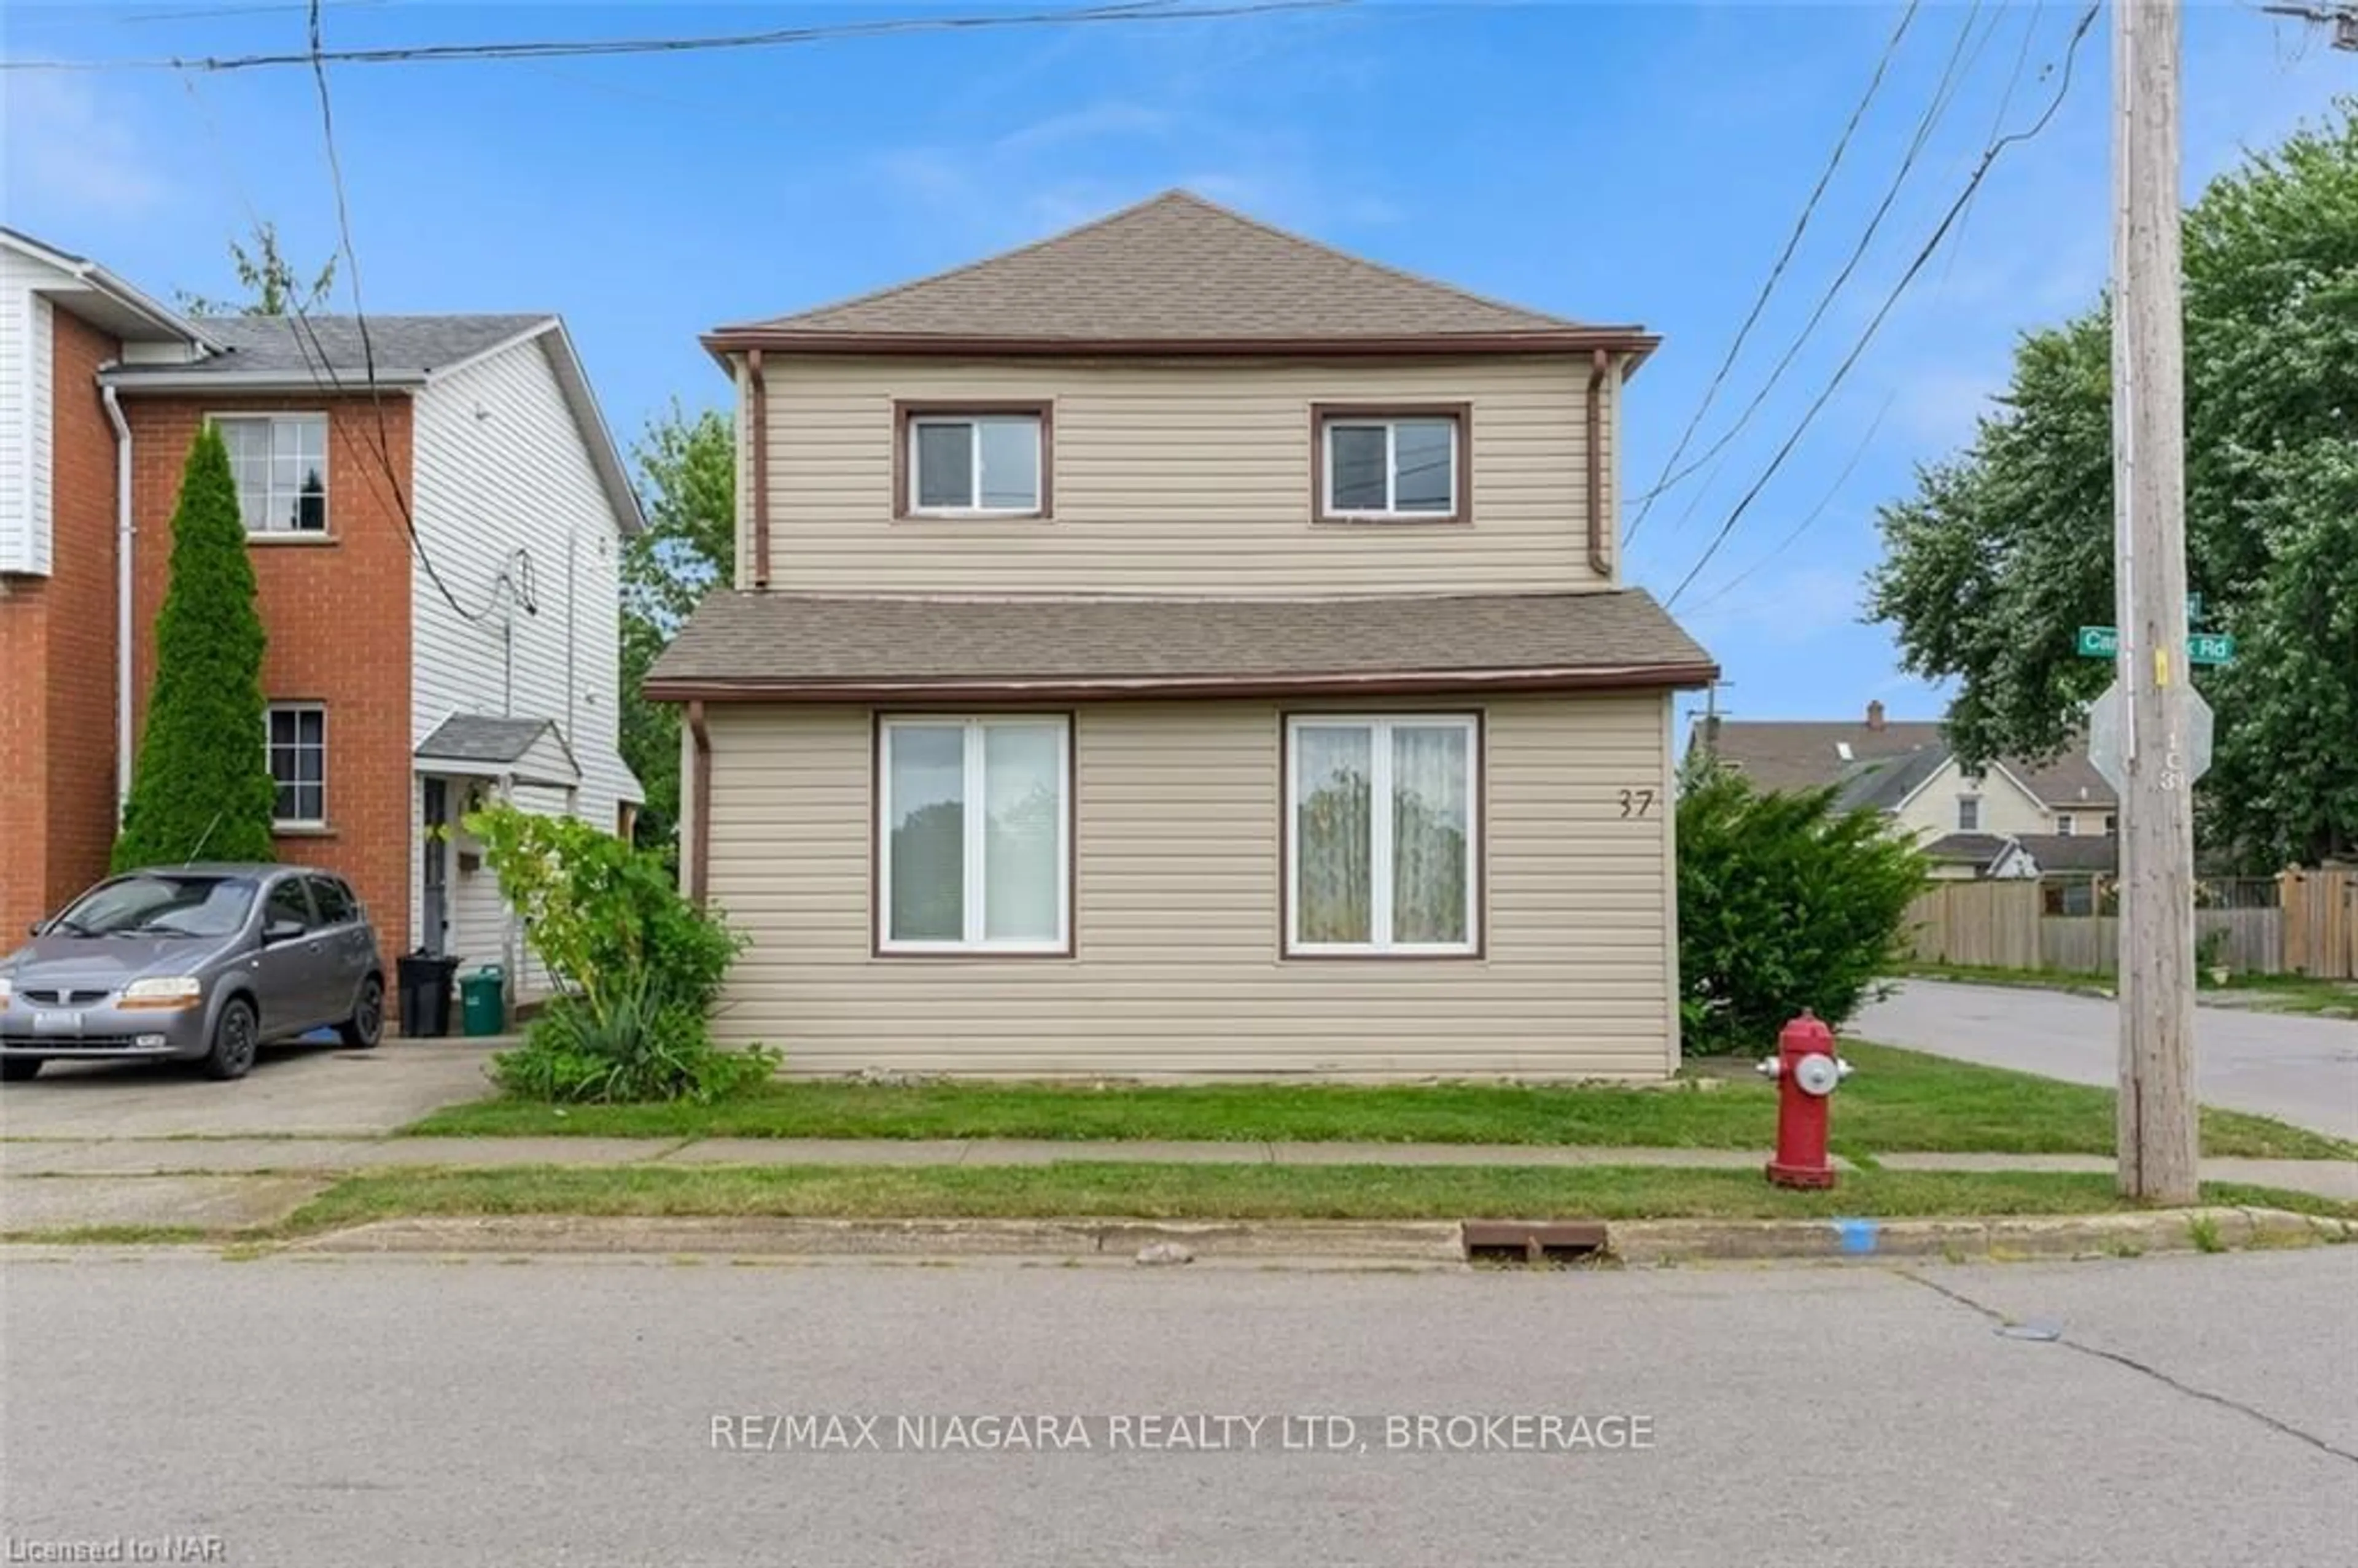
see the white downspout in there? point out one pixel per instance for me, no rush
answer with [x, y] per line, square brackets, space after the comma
[122, 533]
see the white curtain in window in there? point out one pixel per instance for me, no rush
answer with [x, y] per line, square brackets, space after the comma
[1333, 833]
[1429, 830]
[1022, 783]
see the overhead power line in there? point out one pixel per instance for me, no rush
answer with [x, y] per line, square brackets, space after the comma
[775, 37]
[1943, 94]
[1808, 416]
[1777, 271]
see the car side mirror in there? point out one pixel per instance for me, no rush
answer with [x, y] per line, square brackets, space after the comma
[276, 931]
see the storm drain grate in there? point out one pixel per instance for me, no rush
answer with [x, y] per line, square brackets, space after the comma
[1532, 1240]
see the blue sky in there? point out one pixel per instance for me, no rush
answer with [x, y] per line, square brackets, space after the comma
[1606, 162]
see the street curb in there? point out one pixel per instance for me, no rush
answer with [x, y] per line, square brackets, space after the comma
[1425, 1243]
[1671, 1241]
[1276, 1241]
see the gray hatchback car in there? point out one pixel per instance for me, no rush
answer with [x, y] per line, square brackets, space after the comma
[194, 963]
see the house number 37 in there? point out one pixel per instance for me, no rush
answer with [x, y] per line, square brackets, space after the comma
[1636, 802]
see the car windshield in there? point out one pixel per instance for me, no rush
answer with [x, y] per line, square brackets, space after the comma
[160, 904]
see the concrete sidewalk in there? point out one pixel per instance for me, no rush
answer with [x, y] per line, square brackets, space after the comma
[134, 1157]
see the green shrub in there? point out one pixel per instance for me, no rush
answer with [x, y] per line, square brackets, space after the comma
[1785, 902]
[641, 966]
[637, 1051]
[200, 788]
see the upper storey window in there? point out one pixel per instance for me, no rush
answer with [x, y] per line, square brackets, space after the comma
[975, 462]
[1391, 465]
[280, 463]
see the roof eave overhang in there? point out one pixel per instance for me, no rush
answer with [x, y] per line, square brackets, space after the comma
[995, 690]
[1626, 341]
[349, 382]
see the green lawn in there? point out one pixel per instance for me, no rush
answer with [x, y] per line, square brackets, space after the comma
[1898, 1100]
[1221, 1192]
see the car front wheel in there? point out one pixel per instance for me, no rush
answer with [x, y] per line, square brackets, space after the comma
[18, 1069]
[236, 1038]
[366, 1027]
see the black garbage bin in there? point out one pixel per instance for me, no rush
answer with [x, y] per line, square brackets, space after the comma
[424, 981]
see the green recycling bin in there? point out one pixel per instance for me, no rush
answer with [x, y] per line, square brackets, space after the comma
[482, 999]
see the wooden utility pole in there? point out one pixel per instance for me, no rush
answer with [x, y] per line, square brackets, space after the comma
[2157, 1119]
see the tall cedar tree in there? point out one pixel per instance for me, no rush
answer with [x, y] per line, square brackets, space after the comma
[202, 785]
[2005, 549]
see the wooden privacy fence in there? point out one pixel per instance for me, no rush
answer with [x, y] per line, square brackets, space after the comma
[1992, 925]
[2321, 923]
[2308, 926]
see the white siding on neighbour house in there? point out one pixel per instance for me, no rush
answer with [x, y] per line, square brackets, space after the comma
[503, 465]
[2007, 807]
[26, 366]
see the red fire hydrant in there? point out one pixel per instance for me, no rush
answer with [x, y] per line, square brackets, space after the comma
[1806, 1070]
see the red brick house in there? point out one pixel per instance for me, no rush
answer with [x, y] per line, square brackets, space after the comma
[437, 557]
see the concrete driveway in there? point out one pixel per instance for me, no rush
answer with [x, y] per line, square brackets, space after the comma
[294, 1089]
[2303, 1070]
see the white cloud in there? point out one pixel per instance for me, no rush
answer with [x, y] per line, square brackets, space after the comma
[67, 146]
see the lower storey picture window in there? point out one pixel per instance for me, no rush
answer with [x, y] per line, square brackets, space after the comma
[1383, 841]
[974, 835]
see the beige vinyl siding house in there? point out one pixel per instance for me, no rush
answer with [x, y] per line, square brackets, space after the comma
[1178, 650]
[1175, 478]
[1178, 965]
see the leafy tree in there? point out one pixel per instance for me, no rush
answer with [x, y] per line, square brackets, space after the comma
[1785, 902]
[203, 787]
[268, 279]
[2006, 549]
[688, 480]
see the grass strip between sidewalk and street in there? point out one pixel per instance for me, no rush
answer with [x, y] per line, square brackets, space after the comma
[1898, 1101]
[1224, 1192]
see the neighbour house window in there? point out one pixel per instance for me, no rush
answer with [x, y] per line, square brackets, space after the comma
[1969, 814]
[299, 763]
[1402, 465]
[1383, 835]
[280, 463]
[974, 835]
[2063, 824]
[2111, 825]
[982, 463]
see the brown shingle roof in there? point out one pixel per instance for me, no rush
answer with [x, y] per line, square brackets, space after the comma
[2068, 783]
[814, 647]
[1178, 270]
[1808, 754]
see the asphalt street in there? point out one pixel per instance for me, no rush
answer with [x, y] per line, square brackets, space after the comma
[2303, 1070]
[2195, 1412]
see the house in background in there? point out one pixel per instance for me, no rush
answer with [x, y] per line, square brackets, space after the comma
[436, 558]
[2057, 820]
[1177, 648]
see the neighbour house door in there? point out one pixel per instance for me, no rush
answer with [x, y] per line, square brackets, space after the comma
[286, 971]
[434, 847]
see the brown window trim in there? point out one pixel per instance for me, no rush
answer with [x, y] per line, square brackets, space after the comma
[1462, 515]
[877, 719]
[905, 410]
[1480, 803]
